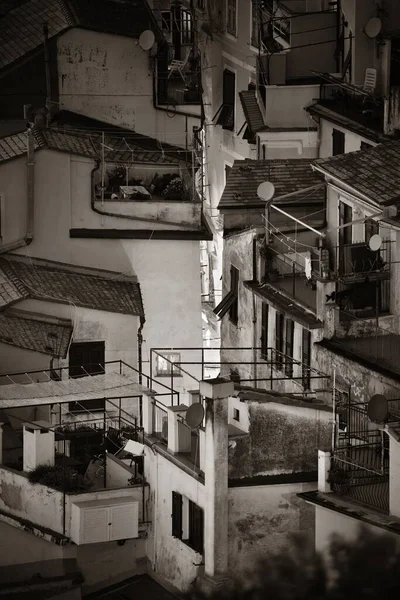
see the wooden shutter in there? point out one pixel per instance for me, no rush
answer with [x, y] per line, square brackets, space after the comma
[338, 140]
[196, 527]
[177, 515]
[289, 340]
[233, 311]
[279, 329]
[124, 520]
[264, 330]
[306, 359]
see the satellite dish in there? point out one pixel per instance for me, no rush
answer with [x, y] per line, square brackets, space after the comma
[266, 190]
[147, 39]
[373, 27]
[378, 408]
[375, 242]
[195, 415]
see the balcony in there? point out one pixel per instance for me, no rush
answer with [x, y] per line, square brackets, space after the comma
[287, 272]
[178, 82]
[139, 192]
[363, 277]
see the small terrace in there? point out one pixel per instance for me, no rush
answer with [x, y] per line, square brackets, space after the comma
[161, 192]
[178, 80]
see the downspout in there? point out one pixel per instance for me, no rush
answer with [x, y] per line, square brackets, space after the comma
[140, 343]
[105, 213]
[30, 195]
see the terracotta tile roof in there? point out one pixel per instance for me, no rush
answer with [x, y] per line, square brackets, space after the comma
[35, 332]
[375, 172]
[252, 110]
[21, 28]
[121, 145]
[90, 288]
[11, 289]
[287, 176]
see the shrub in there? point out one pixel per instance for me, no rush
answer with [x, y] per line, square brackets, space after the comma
[63, 479]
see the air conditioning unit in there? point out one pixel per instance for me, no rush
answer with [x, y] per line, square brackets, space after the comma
[97, 521]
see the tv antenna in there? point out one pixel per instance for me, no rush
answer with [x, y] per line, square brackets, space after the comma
[147, 40]
[195, 415]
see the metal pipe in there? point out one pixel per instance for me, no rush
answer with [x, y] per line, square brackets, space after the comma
[30, 164]
[297, 220]
[47, 72]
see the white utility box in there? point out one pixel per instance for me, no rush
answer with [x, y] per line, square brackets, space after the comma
[104, 520]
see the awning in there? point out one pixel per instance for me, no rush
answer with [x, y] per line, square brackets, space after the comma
[107, 386]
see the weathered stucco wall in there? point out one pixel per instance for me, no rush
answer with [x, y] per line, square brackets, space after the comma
[281, 439]
[110, 78]
[362, 382]
[261, 520]
[171, 558]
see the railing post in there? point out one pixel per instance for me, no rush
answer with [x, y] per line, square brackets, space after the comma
[202, 363]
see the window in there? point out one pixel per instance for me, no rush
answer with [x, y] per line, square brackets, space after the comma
[228, 169]
[230, 302]
[165, 364]
[231, 16]
[233, 311]
[226, 112]
[188, 522]
[337, 142]
[279, 339]
[345, 216]
[365, 146]
[86, 358]
[255, 25]
[264, 330]
[306, 359]
[186, 27]
[201, 4]
[236, 414]
[289, 339]
[371, 228]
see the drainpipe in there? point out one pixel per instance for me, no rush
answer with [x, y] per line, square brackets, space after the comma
[105, 213]
[140, 343]
[47, 72]
[30, 195]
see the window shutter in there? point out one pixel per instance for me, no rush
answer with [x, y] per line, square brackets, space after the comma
[177, 515]
[306, 342]
[289, 347]
[196, 527]
[264, 330]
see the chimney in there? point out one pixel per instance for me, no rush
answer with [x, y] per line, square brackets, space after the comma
[38, 444]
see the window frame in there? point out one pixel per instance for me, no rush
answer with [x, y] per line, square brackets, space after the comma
[174, 371]
[279, 338]
[338, 138]
[306, 343]
[187, 522]
[232, 18]
[234, 308]
[289, 346]
[264, 330]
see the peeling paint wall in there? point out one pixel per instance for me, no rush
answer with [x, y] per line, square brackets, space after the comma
[261, 520]
[172, 559]
[362, 382]
[281, 439]
[110, 78]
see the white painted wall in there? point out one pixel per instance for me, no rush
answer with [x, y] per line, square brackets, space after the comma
[168, 270]
[285, 105]
[329, 523]
[170, 558]
[352, 140]
[110, 78]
